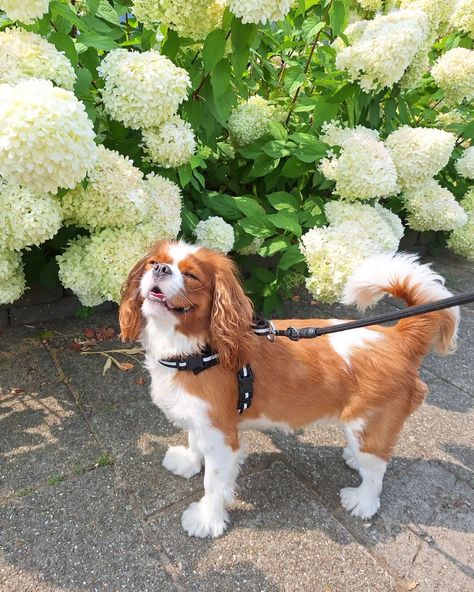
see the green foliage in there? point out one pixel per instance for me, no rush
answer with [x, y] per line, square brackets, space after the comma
[270, 189]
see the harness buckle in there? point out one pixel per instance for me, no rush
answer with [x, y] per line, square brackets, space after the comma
[193, 364]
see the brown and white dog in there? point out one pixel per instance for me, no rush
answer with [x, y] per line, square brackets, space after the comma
[180, 298]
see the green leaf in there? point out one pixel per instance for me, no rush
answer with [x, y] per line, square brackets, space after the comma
[220, 79]
[83, 82]
[257, 226]
[93, 39]
[290, 257]
[324, 110]
[311, 151]
[277, 130]
[293, 79]
[108, 12]
[274, 245]
[63, 42]
[222, 204]
[213, 49]
[311, 27]
[264, 275]
[170, 45]
[93, 5]
[286, 221]
[184, 174]
[242, 36]
[281, 200]
[189, 220]
[294, 168]
[338, 14]
[263, 165]
[248, 205]
[57, 8]
[276, 148]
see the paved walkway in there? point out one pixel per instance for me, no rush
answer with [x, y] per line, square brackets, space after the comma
[85, 504]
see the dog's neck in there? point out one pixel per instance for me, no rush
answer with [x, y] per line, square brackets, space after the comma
[164, 341]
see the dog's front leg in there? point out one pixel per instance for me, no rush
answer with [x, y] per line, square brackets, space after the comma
[183, 461]
[208, 516]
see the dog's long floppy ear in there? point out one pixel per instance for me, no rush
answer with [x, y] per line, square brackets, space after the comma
[130, 314]
[231, 318]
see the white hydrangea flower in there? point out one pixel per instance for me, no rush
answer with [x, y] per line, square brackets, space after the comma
[463, 17]
[46, 139]
[454, 74]
[165, 206]
[250, 120]
[27, 218]
[371, 5]
[465, 164]
[461, 241]
[142, 89]
[114, 196]
[95, 267]
[386, 48]
[28, 55]
[364, 169]
[170, 145]
[432, 207]
[25, 11]
[332, 253]
[215, 233]
[419, 153]
[333, 134]
[450, 118]
[260, 11]
[378, 224]
[189, 18]
[12, 278]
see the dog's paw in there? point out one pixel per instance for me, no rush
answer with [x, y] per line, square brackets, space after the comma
[350, 459]
[182, 461]
[359, 503]
[200, 520]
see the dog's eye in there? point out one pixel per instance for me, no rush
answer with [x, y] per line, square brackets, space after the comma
[190, 275]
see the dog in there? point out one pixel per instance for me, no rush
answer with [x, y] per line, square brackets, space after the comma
[181, 300]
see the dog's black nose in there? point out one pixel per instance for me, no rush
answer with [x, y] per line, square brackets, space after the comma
[161, 269]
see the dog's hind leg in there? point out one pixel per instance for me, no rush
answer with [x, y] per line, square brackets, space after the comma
[183, 461]
[222, 458]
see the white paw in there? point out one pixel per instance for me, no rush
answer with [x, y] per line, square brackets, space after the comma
[200, 520]
[348, 456]
[182, 461]
[359, 503]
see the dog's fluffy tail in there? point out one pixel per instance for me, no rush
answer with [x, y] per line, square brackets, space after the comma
[402, 276]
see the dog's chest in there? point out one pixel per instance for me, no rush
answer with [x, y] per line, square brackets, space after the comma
[180, 407]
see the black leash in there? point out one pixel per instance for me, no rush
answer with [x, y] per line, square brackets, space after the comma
[266, 328]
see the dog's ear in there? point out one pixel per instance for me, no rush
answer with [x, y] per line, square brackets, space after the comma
[130, 313]
[231, 318]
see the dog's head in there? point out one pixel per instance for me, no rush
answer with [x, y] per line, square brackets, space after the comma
[192, 290]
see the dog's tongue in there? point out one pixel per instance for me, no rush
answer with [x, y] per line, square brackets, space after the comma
[160, 296]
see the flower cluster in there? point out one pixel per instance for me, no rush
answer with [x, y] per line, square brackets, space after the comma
[115, 194]
[170, 145]
[215, 233]
[386, 48]
[448, 118]
[95, 267]
[461, 241]
[432, 207]
[463, 17]
[364, 169]
[454, 74]
[142, 89]
[189, 18]
[25, 11]
[465, 165]
[27, 219]
[260, 11]
[47, 139]
[419, 153]
[371, 5]
[28, 55]
[253, 248]
[250, 120]
[355, 232]
[12, 278]
[164, 198]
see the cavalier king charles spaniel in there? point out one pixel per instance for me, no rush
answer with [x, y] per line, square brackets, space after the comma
[181, 300]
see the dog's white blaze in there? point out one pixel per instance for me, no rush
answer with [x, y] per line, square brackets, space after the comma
[179, 251]
[346, 341]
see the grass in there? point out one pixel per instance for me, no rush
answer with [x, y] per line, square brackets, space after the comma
[104, 460]
[55, 479]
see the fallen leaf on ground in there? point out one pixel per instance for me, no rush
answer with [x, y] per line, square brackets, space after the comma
[412, 585]
[104, 333]
[107, 365]
[89, 333]
[140, 380]
[73, 346]
[125, 366]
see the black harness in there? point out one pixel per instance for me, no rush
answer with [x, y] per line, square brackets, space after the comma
[209, 358]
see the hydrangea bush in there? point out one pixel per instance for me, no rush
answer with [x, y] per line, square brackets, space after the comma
[299, 136]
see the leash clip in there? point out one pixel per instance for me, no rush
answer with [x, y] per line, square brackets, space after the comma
[292, 333]
[271, 331]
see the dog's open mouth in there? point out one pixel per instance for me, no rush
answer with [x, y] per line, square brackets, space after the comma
[156, 295]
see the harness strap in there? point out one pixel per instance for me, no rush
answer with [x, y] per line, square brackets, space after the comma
[266, 328]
